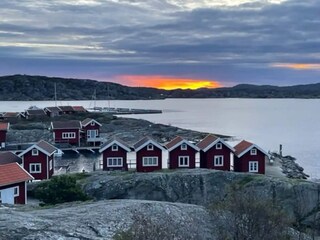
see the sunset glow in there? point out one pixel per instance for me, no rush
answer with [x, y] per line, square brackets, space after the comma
[165, 82]
[298, 66]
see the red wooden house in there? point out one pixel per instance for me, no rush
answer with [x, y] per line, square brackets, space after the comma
[114, 155]
[79, 109]
[66, 132]
[249, 158]
[182, 154]
[91, 131]
[13, 184]
[38, 160]
[215, 153]
[148, 155]
[67, 109]
[4, 127]
[34, 113]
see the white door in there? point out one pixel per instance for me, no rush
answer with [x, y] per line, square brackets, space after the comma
[92, 133]
[7, 195]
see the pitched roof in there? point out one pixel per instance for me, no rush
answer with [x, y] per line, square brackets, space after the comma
[89, 120]
[244, 146]
[4, 126]
[9, 157]
[43, 147]
[53, 109]
[79, 109]
[144, 142]
[13, 173]
[71, 124]
[117, 141]
[66, 108]
[35, 112]
[178, 141]
[10, 114]
[207, 141]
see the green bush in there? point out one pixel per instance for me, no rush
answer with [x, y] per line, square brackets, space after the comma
[60, 189]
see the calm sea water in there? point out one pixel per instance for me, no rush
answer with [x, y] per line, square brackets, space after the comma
[267, 122]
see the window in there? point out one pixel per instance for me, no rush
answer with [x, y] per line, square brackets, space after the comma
[35, 168]
[184, 146]
[253, 151]
[16, 191]
[218, 160]
[150, 147]
[92, 123]
[114, 147]
[92, 133]
[149, 161]
[114, 162]
[253, 166]
[0, 196]
[68, 135]
[219, 146]
[35, 152]
[183, 161]
[50, 165]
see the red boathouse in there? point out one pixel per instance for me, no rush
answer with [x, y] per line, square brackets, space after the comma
[182, 154]
[13, 184]
[114, 155]
[66, 132]
[215, 153]
[4, 127]
[148, 155]
[249, 158]
[38, 160]
[91, 131]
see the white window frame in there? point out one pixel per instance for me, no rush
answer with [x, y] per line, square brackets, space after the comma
[253, 166]
[68, 135]
[150, 147]
[16, 191]
[218, 161]
[150, 161]
[92, 123]
[184, 146]
[253, 152]
[35, 152]
[184, 159]
[35, 166]
[219, 145]
[92, 130]
[115, 162]
[0, 196]
[114, 148]
[50, 164]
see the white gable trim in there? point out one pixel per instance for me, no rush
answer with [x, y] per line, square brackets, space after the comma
[153, 143]
[115, 142]
[37, 147]
[92, 120]
[253, 146]
[182, 142]
[217, 141]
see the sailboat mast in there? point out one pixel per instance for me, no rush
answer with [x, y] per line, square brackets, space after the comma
[55, 94]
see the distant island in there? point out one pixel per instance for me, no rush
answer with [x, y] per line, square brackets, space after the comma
[29, 88]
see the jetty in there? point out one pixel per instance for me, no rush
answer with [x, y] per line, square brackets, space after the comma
[123, 111]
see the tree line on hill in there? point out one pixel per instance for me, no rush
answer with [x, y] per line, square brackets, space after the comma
[28, 88]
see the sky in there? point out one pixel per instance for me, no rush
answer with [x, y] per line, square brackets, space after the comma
[163, 43]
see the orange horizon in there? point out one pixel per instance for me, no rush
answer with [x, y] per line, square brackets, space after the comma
[166, 82]
[298, 66]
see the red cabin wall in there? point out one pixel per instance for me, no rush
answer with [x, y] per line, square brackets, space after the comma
[242, 164]
[207, 158]
[21, 199]
[41, 158]
[3, 135]
[156, 152]
[58, 136]
[175, 153]
[120, 153]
